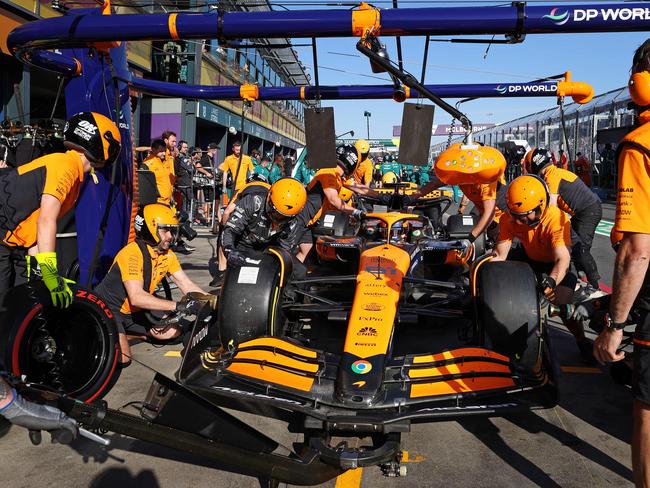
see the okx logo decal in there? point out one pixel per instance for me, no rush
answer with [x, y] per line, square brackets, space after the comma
[559, 18]
[501, 89]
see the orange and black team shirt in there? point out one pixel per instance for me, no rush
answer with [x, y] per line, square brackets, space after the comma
[58, 174]
[553, 230]
[317, 203]
[573, 194]
[165, 178]
[129, 266]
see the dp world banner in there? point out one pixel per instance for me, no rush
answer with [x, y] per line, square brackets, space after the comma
[444, 129]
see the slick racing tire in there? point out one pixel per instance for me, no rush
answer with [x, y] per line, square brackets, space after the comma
[74, 350]
[508, 313]
[250, 304]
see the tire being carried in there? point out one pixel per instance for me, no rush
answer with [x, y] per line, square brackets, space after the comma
[508, 314]
[74, 350]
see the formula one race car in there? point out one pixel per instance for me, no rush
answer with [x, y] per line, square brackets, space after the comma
[398, 323]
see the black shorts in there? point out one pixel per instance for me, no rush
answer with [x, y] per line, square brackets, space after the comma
[136, 323]
[641, 360]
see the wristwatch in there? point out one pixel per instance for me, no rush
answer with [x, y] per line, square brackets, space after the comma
[610, 324]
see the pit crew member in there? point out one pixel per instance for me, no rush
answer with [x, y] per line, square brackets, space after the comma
[34, 196]
[631, 284]
[544, 232]
[159, 165]
[363, 173]
[137, 270]
[262, 216]
[239, 172]
[323, 196]
[570, 194]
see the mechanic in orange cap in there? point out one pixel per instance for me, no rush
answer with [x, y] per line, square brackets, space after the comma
[570, 194]
[544, 232]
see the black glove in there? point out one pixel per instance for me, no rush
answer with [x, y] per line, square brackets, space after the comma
[236, 258]
[548, 285]
[189, 307]
[357, 214]
[37, 417]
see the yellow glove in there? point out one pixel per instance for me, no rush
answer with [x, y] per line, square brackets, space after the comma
[58, 286]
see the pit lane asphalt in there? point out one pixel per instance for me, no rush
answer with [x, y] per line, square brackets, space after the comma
[583, 442]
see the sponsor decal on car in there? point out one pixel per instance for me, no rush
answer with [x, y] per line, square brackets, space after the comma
[367, 331]
[373, 307]
[361, 366]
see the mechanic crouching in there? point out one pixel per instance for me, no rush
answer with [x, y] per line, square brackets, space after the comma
[262, 216]
[137, 270]
[544, 232]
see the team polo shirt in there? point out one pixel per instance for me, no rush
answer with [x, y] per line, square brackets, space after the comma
[317, 203]
[363, 173]
[633, 198]
[129, 266]
[58, 174]
[230, 164]
[165, 177]
[553, 230]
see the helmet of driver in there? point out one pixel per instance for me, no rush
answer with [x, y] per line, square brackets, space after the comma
[363, 148]
[95, 135]
[348, 158]
[285, 200]
[153, 218]
[537, 159]
[527, 194]
[389, 177]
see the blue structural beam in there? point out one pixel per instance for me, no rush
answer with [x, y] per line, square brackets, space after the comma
[76, 30]
[363, 92]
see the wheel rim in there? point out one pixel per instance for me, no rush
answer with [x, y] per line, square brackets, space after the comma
[66, 350]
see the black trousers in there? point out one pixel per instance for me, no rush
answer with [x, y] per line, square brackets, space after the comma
[13, 267]
[186, 193]
[584, 225]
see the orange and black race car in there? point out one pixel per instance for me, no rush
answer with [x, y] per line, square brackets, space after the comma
[398, 323]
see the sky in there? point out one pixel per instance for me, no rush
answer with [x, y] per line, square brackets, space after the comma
[603, 60]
